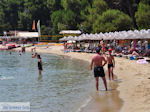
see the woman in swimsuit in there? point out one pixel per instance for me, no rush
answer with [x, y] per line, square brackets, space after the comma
[40, 68]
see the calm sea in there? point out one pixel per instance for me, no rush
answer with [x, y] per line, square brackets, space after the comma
[64, 86]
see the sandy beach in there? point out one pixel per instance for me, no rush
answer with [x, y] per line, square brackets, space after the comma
[132, 83]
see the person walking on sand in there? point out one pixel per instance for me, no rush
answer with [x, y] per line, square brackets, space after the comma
[40, 68]
[98, 61]
[111, 65]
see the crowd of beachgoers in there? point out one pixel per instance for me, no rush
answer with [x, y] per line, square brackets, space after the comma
[134, 49]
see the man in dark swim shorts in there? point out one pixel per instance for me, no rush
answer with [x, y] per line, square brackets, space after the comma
[98, 61]
[99, 71]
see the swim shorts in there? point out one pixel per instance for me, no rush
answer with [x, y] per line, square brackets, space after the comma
[99, 71]
[110, 65]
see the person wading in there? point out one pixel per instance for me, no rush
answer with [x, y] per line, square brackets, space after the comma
[111, 65]
[98, 62]
[40, 68]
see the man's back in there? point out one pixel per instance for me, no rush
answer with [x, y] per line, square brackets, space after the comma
[98, 60]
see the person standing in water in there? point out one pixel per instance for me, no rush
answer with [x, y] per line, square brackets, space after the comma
[34, 55]
[98, 61]
[23, 49]
[111, 65]
[40, 68]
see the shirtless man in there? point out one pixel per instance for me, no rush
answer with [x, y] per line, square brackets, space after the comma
[111, 65]
[98, 61]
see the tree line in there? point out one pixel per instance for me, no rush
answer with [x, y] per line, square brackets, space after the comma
[89, 16]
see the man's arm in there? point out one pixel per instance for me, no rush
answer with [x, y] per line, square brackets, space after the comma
[105, 62]
[91, 65]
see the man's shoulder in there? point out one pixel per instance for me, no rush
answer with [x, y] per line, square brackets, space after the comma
[95, 55]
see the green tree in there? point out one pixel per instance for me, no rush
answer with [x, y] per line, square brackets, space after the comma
[10, 10]
[143, 16]
[38, 10]
[127, 6]
[112, 20]
[99, 6]
[24, 21]
[92, 13]
[56, 15]
[145, 2]
[63, 20]
[45, 30]
[73, 5]
[2, 25]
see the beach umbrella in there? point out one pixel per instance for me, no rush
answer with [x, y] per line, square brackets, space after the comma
[145, 34]
[69, 41]
[76, 38]
[85, 37]
[63, 39]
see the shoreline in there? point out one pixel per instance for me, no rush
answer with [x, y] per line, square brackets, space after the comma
[134, 79]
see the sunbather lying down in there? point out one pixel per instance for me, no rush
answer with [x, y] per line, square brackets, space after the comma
[134, 53]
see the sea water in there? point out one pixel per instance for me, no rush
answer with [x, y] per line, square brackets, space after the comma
[64, 85]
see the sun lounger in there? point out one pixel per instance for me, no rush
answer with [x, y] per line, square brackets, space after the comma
[140, 58]
[148, 61]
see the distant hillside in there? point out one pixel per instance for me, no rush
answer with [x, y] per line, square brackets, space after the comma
[90, 16]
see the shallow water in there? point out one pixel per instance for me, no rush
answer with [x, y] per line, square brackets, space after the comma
[64, 86]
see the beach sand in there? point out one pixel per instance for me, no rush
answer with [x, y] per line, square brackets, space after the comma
[133, 84]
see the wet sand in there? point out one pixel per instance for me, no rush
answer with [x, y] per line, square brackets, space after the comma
[133, 87]
[105, 101]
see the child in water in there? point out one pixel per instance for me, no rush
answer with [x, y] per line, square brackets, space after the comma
[111, 65]
[34, 55]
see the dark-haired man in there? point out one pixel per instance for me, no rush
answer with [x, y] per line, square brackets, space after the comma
[98, 61]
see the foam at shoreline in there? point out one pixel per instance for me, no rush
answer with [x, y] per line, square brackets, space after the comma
[84, 105]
